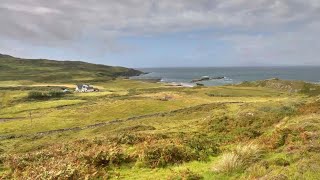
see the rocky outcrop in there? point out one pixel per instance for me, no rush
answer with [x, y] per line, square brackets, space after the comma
[206, 78]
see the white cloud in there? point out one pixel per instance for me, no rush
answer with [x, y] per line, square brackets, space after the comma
[288, 23]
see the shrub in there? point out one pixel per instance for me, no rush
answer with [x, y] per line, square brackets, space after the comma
[104, 158]
[37, 95]
[202, 147]
[185, 175]
[55, 94]
[240, 158]
[161, 155]
[45, 95]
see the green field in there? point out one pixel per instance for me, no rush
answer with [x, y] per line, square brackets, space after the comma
[138, 130]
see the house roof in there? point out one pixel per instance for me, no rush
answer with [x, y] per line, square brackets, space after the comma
[80, 86]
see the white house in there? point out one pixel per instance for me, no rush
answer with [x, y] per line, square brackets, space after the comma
[84, 88]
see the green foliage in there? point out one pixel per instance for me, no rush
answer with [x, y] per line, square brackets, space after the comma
[163, 153]
[55, 94]
[185, 175]
[37, 95]
[202, 146]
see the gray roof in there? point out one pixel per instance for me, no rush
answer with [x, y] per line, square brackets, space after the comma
[81, 85]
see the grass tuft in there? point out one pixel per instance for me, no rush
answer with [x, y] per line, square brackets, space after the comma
[238, 159]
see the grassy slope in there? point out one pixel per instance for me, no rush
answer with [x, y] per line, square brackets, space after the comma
[41, 70]
[285, 126]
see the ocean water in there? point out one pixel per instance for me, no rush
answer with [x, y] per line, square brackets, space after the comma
[233, 75]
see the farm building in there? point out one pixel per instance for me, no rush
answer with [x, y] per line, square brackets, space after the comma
[85, 88]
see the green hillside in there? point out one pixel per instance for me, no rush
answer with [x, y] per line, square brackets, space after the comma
[301, 87]
[138, 130]
[42, 70]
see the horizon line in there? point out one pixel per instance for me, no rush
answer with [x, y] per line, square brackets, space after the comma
[240, 66]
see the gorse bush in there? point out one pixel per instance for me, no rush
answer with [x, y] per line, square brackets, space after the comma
[202, 146]
[104, 158]
[168, 152]
[55, 94]
[38, 95]
[161, 155]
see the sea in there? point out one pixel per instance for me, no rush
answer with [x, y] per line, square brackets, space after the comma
[232, 75]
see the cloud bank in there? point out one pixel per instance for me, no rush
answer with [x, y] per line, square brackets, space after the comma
[275, 31]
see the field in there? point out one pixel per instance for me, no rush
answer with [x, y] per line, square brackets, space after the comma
[139, 130]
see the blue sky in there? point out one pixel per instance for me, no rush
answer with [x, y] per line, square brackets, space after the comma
[150, 33]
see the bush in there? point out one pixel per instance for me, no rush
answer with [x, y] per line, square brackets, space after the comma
[45, 95]
[161, 155]
[161, 152]
[240, 158]
[37, 95]
[202, 147]
[55, 94]
[110, 157]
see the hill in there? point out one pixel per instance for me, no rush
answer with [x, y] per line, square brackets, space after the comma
[302, 87]
[42, 70]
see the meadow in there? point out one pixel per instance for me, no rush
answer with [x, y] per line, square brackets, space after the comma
[140, 130]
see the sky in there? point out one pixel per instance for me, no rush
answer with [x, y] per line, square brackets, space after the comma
[164, 33]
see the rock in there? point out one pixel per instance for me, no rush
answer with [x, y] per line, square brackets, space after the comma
[219, 77]
[206, 78]
[203, 78]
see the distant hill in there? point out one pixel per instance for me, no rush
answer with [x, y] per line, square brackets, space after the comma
[42, 70]
[286, 85]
